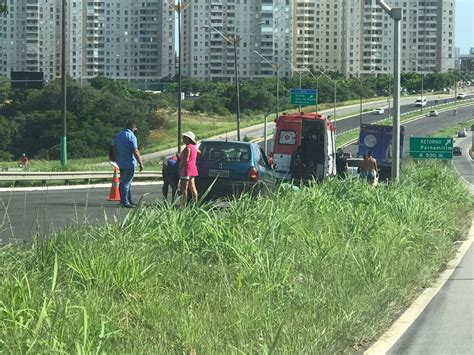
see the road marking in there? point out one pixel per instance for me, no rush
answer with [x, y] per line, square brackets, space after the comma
[400, 326]
[71, 187]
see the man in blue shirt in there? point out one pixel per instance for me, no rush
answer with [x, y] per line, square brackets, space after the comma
[127, 155]
[170, 176]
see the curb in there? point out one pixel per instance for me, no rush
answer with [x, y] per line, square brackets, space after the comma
[401, 325]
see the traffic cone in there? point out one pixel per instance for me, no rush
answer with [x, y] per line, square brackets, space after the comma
[114, 194]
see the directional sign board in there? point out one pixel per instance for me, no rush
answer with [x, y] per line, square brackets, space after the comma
[431, 147]
[304, 97]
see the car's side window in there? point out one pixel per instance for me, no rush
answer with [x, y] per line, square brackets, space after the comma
[263, 159]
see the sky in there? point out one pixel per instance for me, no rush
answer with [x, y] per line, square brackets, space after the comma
[464, 25]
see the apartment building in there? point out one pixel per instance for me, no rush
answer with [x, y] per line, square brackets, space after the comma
[261, 25]
[356, 36]
[30, 37]
[120, 39]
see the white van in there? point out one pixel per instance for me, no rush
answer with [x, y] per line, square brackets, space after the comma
[421, 102]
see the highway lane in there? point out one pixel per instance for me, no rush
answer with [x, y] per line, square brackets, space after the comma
[428, 125]
[446, 326]
[26, 213]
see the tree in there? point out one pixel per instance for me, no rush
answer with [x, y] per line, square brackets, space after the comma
[3, 6]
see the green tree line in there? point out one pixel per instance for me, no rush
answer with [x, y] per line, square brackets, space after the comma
[30, 120]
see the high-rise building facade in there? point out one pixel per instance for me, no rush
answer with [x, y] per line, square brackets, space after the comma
[120, 39]
[30, 37]
[262, 25]
[356, 36]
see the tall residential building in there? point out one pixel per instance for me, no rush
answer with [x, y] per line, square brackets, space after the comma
[262, 25]
[30, 37]
[120, 39]
[356, 36]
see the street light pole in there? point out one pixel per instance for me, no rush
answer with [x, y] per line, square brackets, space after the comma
[179, 8]
[396, 15]
[63, 87]
[233, 41]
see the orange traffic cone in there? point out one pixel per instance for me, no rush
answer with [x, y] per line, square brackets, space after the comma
[114, 194]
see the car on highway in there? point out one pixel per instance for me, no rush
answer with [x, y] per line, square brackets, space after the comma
[230, 168]
[434, 113]
[457, 151]
[379, 111]
[461, 96]
[462, 133]
[421, 102]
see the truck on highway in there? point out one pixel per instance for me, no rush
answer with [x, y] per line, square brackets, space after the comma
[378, 140]
[312, 137]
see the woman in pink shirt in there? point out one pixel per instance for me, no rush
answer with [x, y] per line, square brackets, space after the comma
[188, 168]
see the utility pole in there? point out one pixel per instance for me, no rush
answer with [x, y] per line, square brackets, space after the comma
[63, 142]
[179, 7]
[235, 41]
[396, 15]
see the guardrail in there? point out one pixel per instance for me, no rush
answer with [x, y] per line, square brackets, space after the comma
[44, 177]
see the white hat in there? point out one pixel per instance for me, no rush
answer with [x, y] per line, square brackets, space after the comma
[190, 135]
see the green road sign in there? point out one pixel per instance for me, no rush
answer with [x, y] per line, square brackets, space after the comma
[304, 97]
[431, 147]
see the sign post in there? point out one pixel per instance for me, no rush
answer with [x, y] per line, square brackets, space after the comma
[304, 97]
[431, 148]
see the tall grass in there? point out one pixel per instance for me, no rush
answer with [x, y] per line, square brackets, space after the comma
[320, 270]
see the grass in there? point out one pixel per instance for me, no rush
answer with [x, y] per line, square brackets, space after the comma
[453, 130]
[322, 270]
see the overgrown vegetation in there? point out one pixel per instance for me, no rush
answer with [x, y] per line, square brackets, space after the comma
[321, 270]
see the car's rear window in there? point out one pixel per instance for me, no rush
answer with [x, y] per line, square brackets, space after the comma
[225, 152]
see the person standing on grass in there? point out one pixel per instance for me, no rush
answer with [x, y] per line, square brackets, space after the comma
[188, 168]
[23, 161]
[371, 168]
[170, 172]
[127, 155]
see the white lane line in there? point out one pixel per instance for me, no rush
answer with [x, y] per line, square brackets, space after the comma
[400, 326]
[71, 187]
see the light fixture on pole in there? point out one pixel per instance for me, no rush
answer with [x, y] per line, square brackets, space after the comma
[276, 69]
[396, 15]
[360, 96]
[232, 41]
[63, 86]
[179, 7]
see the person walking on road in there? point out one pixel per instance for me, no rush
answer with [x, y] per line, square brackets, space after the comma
[188, 168]
[371, 169]
[170, 172]
[128, 155]
[23, 161]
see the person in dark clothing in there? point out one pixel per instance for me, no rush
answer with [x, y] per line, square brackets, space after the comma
[297, 166]
[170, 172]
[341, 164]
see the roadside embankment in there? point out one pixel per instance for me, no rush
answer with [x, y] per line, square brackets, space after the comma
[320, 270]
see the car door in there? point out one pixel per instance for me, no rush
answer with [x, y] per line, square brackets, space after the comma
[266, 173]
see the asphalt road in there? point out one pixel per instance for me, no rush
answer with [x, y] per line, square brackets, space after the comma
[446, 326]
[27, 213]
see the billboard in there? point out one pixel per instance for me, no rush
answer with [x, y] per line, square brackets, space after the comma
[27, 80]
[378, 140]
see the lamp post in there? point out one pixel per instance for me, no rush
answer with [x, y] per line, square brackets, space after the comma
[396, 15]
[63, 86]
[232, 41]
[360, 97]
[179, 8]
[276, 69]
[293, 68]
[335, 92]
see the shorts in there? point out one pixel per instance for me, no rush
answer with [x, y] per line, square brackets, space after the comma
[188, 178]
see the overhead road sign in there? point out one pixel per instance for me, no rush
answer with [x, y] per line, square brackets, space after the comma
[304, 97]
[431, 148]
[27, 80]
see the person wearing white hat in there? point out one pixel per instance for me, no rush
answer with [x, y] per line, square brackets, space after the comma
[188, 167]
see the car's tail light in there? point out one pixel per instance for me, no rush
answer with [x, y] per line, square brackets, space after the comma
[253, 174]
